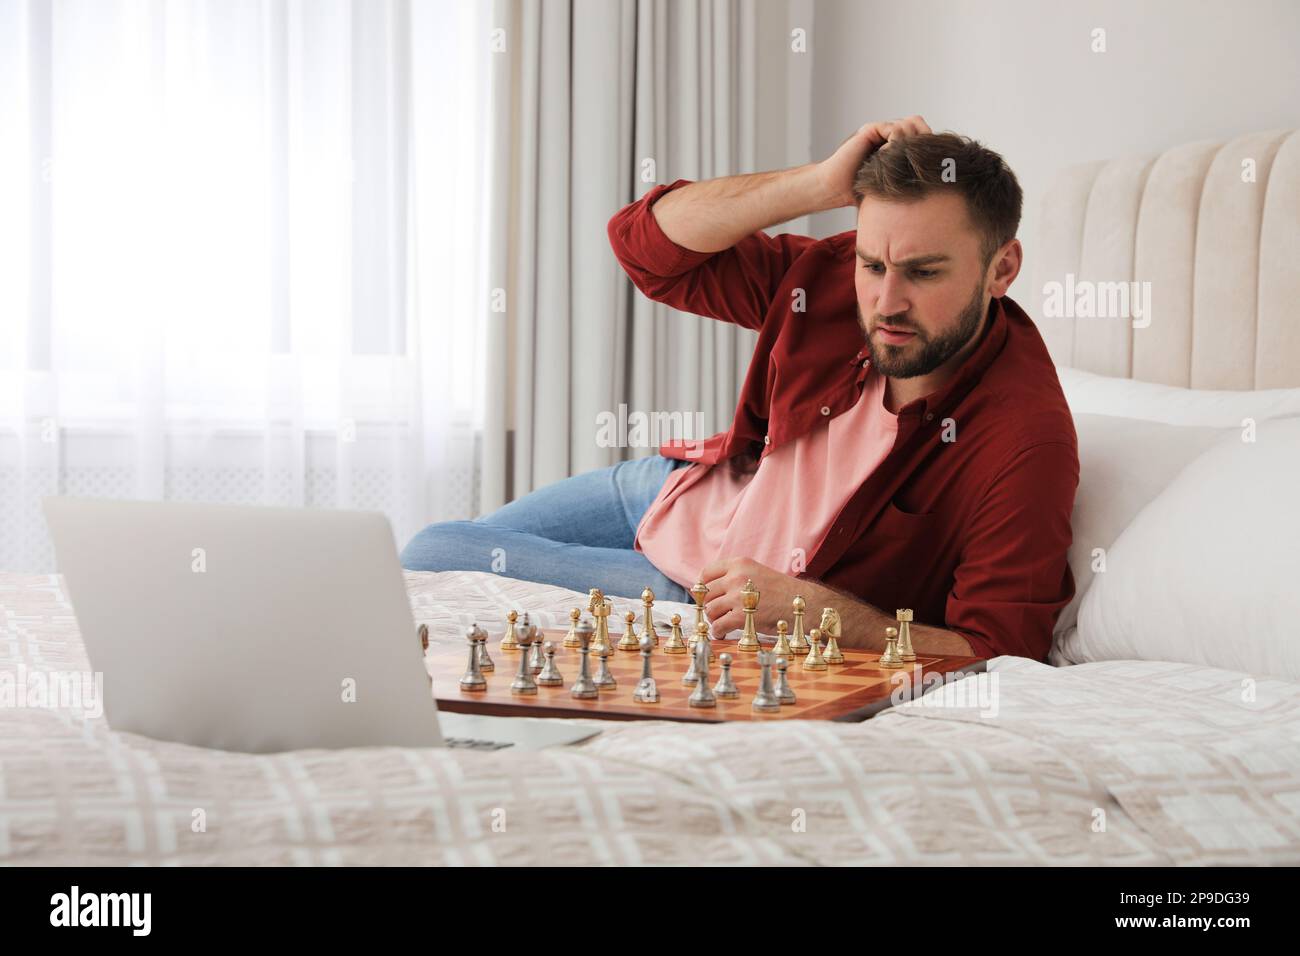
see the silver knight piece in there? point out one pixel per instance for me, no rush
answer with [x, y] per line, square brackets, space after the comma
[702, 696]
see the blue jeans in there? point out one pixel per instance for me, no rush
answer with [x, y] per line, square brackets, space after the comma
[576, 533]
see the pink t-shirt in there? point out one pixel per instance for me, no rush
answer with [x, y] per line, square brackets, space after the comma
[775, 511]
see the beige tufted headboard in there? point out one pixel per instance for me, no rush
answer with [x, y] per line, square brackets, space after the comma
[1221, 254]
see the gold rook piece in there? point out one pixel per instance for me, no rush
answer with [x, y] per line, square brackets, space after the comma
[798, 643]
[601, 645]
[905, 634]
[814, 661]
[782, 648]
[648, 621]
[629, 641]
[831, 628]
[675, 645]
[749, 637]
[511, 641]
[571, 639]
[890, 659]
[699, 592]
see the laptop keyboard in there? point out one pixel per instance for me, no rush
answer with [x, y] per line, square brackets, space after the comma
[472, 743]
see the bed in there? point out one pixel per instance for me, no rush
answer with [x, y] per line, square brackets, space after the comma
[1131, 748]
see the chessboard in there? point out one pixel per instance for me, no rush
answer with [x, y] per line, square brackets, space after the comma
[851, 691]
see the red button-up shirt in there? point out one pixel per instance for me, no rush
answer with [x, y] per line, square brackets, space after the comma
[967, 520]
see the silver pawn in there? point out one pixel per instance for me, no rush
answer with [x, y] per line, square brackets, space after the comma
[473, 679]
[584, 688]
[692, 675]
[523, 684]
[604, 677]
[702, 696]
[536, 660]
[647, 691]
[550, 675]
[765, 701]
[726, 687]
[484, 661]
[784, 692]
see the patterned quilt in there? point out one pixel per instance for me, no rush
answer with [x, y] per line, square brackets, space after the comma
[1113, 763]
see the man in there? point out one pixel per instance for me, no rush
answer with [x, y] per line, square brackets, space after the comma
[901, 438]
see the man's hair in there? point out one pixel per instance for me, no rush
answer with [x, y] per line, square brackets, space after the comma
[912, 167]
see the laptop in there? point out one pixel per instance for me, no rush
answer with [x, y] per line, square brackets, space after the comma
[259, 629]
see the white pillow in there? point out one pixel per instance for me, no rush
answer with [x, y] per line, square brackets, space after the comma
[1207, 573]
[1123, 464]
[1087, 393]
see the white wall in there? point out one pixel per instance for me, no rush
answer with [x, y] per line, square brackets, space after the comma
[1019, 76]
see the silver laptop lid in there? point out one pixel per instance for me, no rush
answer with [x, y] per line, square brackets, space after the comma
[253, 629]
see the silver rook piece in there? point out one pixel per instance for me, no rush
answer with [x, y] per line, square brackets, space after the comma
[584, 688]
[765, 701]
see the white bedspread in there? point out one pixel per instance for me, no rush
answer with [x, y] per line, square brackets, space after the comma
[1114, 763]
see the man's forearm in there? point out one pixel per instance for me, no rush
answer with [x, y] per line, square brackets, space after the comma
[715, 214]
[863, 626]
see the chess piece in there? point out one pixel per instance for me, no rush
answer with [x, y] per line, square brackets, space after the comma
[550, 675]
[692, 675]
[749, 596]
[484, 661]
[571, 638]
[814, 661]
[537, 659]
[602, 612]
[473, 679]
[647, 692]
[675, 644]
[422, 632]
[702, 696]
[604, 676]
[629, 641]
[523, 684]
[648, 623]
[905, 635]
[891, 659]
[511, 640]
[702, 634]
[798, 642]
[784, 692]
[584, 688]
[831, 628]
[725, 687]
[699, 592]
[782, 647]
[765, 701]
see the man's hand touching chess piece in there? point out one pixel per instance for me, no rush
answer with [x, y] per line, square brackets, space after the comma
[724, 606]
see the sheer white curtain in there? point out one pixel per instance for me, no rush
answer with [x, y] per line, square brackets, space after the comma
[241, 255]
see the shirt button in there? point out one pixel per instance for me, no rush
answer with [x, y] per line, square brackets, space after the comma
[826, 409]
[929, 416]
[767, 439]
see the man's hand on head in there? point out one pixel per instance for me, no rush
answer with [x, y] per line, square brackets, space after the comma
[724, 605]
[838, 170]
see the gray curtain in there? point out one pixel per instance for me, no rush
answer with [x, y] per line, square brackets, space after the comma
[587, 96]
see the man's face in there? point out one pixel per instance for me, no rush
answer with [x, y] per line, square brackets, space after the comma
[920, 280]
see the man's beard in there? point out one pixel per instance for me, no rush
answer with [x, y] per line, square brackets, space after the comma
[894, 361]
